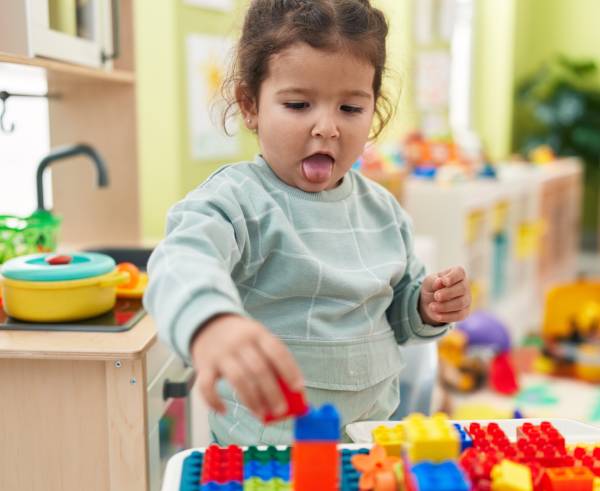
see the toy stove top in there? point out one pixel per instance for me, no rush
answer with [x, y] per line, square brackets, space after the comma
[126, 313]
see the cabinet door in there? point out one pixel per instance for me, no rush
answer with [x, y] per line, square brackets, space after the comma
[77, 31]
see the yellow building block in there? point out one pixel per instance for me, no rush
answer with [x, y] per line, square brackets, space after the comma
[510, 476]
[434, 439]
[389, 438]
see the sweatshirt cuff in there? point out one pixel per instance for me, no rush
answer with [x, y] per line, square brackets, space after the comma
[418, 327]
[191, 318]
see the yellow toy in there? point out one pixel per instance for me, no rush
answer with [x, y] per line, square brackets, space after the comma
[571, 331]
[434, 439]
[510, 476]
[389, 438]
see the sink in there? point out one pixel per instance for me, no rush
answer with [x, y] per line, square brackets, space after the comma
[136, 255]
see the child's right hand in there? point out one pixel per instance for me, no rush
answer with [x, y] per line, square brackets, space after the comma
[250, 358]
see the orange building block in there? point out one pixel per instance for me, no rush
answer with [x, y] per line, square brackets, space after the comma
[315, 466]
[568, 479]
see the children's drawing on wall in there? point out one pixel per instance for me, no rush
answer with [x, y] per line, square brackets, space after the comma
[207, 62]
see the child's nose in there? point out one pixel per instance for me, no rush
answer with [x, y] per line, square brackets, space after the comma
[326, 127]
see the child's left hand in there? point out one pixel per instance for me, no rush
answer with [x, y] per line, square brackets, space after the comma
[445, 297]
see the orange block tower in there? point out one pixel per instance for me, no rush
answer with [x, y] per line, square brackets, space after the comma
[315, 458]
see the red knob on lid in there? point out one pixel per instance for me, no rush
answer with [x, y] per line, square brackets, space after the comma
[59, 259]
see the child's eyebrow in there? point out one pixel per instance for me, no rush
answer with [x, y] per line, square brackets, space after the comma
[301, 91]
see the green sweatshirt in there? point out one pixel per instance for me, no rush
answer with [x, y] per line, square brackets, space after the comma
[332, 274]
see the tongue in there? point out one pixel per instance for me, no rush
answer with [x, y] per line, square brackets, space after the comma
[317, 168]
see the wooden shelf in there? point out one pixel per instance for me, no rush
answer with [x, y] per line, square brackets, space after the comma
[59, 67]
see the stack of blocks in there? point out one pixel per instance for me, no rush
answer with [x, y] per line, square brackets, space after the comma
[315, 460]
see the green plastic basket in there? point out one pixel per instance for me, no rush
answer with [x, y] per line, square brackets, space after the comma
[36, 233]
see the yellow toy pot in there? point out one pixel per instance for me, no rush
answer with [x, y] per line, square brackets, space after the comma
[34, 290]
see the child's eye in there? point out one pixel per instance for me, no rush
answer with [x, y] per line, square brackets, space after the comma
[351, 109]
[296, 105]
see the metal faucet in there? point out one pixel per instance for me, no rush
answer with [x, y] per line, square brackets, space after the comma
[64, 153]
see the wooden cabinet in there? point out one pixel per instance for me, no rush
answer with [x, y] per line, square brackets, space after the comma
[67, 30]
[95, 106]
[79, 410]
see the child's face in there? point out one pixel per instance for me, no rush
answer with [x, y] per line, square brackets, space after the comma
[314, 115]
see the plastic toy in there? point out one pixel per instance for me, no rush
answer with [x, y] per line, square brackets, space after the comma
[510, 476]
[295, 401]
[480, 344]
[432, 438]
[390, 439]
[378, 469]
[315, 456]
[537, 460]
[571, 331]
[445, 476]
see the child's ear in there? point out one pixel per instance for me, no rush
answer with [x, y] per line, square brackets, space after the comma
[248, 106]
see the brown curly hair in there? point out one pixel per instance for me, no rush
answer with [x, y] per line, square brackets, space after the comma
[271, 26]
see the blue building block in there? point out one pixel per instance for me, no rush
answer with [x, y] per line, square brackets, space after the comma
[349, 476]
[191, 470]
[318, 425]
[228, 486]
[465, 438]
[445, 476]
[267, 471]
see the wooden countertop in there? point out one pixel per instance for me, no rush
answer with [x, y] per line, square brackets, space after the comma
[79, 345]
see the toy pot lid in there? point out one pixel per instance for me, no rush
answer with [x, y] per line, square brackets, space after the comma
[57, 267]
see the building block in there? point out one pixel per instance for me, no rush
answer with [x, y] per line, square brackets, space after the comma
[318, 425]
[223, 465]
[315, 465]
[434, 439]
[265, 455]
[267, 471]
[568, 479]
[217, 486]
[510, 476]
[542, 434]
[587, 456]
[256, 484]
[389, 438]
[296, 404]
[444, 476]
[191, 471]
[465, 439]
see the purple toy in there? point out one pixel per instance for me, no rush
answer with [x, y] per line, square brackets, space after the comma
[483, 329]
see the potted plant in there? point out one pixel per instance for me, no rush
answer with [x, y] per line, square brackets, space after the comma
[559, 106]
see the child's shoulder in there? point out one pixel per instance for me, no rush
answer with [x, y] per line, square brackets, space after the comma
[234, 175]
[369, 190]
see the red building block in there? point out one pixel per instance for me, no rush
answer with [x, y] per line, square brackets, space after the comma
[222, 465]
[315, 466]
[297, 405]
[568, 479]
[587, 457]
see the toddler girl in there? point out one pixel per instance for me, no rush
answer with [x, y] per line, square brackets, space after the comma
[294, 266]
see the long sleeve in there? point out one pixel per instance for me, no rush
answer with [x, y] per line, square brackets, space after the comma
[190, 271]
[403, 313]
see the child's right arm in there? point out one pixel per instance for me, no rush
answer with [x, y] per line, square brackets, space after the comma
[197, 308]
[250, 358]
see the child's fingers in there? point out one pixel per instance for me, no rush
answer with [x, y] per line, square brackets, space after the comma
[283, 362]
[455, 305]
[460, 289]
[453, 276]
[267, 388]
[244, 386]
[207, 380]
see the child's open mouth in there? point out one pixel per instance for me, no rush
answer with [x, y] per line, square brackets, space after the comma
[318, 168]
